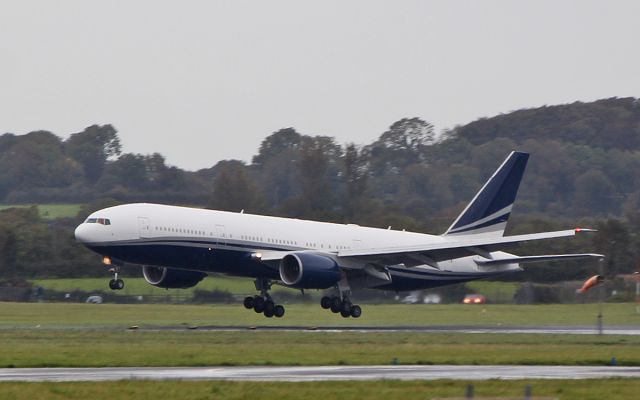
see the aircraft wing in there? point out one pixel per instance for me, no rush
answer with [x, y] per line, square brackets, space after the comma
[535, 259]
[448, 248]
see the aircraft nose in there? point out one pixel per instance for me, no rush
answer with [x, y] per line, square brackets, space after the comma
[82, 233]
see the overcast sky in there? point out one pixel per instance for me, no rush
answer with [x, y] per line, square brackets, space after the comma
[201, 81]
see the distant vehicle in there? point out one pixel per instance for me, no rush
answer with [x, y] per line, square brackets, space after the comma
[432, 298]
[474, 299]
[417, 298]
[176, 247]
[412, 298]
[94, 300]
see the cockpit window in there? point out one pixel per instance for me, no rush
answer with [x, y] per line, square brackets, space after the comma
[101, 221]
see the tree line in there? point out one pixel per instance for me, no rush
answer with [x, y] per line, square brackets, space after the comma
[585, 168]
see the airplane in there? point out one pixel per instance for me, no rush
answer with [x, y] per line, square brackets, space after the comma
[177, 247]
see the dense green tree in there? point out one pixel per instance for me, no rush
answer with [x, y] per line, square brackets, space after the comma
[401, 145]
[614, 239]
[315, 199]
[355, 179]
[233, 190]
[35, 160]
[92, 148]
[594, 192]
[275, 165]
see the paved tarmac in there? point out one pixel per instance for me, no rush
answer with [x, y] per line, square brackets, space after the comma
[562, 330]
[329, 373]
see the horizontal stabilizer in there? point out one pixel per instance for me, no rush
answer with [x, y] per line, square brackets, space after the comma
[534, 259]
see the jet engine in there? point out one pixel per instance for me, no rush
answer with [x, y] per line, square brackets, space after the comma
[309, 271]
[168, 278]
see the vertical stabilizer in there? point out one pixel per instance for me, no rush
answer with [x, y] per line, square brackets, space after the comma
[490, 209]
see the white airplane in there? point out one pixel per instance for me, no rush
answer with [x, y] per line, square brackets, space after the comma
[178, 246]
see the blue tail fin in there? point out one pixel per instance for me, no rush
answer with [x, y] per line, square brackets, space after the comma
[489, 210]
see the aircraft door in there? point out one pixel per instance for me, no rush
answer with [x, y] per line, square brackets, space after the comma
[221, 234]
[143, 225]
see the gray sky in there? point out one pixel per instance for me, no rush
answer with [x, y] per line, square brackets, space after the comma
[201, 81]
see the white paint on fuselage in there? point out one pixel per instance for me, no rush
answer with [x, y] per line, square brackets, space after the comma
[257, 232]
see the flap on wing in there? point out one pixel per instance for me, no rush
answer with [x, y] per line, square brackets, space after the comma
[534, 259]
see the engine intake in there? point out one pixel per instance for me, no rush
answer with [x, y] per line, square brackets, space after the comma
[309, 271]
[168, 278]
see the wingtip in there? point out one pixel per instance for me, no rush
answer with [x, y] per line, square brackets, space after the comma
[582, 230]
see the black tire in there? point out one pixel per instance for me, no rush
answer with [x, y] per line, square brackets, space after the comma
[325, 302]
[119, 284]
[269, 306]
[258, 304]
[336, 305]
[346, 306]
[356, 311]
[112, 284]
[248, 302]
[278, 311]
[345, 314]
[268, 313]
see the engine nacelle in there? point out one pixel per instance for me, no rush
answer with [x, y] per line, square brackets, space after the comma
[309, 271]
[168, 278]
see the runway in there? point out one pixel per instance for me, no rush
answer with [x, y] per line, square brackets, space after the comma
[326, 373]
[560, 330]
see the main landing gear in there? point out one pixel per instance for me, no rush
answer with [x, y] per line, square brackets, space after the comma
[342, 306]
[263, 303]
[116, 283]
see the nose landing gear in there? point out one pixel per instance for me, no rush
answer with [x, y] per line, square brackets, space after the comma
[263, 303]
[116, 283]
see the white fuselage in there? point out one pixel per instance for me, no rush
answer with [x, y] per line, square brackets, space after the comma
[164, 230]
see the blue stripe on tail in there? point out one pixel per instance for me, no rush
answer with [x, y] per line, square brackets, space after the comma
[492, 205]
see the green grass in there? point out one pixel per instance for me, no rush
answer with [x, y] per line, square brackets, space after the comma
[122, 348]
[593, 389]
[74, 315]
[50, 211]
[56, 334]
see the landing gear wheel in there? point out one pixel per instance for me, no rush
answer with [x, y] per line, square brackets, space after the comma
[278, 311]
[356, 311]
[249, 302]
[345, 314]
[258, 305]
[325, 302]
[112, 284]
[269, 306]
[119, 284]
[268, 312]
[345, 307]
[336, 305]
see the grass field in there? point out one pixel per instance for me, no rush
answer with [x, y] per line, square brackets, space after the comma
[50, 211]
[74, 315]
[99, 348]
[595, 389]
[42, 334]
